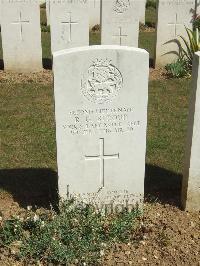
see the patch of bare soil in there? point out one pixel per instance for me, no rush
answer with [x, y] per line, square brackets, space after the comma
[46, 76]
[165, 236]
[144, 28]
[157, 74]
[42, 77]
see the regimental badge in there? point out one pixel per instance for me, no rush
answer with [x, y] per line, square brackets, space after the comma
[102, 82]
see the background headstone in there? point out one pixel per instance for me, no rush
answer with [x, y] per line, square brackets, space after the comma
[172, 17]
[142, 8]
[120, 22]
[197, 7]
[191, 178]
[101, 118]
[94, 10]
[69, 24]
[21, 35]
[48, 11]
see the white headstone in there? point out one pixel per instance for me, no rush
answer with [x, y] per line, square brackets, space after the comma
[173, 16]
[69, 24]
[21, 36]
[120, 22]
[48, 11]
[142, 8]
[94, 10]
[101, 117]
[191, 178]
[197, 7]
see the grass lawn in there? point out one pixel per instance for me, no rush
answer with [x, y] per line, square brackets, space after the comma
[28, 129]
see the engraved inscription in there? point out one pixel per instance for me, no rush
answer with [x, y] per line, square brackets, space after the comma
[69, 23]
[102, 157]
[20, 22]
[175, 25]
[120, 36]
[102, 82]
[121, 6]
[100, 121]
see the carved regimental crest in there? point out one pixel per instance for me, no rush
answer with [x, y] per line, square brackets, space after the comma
[120, 6]
[102, 82]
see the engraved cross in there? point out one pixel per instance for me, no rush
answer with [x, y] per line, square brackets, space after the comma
[102, 157]
[70, 23]
[21, 22]
[175, 24]
[120, 35]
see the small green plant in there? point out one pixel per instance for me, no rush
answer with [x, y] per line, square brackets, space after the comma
[78, 234]
[196, 22]
[177, 69]
[191, 46]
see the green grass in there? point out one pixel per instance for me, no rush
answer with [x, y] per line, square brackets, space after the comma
[28, 130]
[146, 41]
[150, 17]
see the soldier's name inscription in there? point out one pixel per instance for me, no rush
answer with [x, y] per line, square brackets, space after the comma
[101, 120]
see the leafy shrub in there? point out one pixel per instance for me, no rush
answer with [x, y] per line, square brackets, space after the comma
[178, 69]
[196, 23]
[191, 46]
[76, 235]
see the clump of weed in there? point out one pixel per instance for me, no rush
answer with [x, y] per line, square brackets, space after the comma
[78, 234]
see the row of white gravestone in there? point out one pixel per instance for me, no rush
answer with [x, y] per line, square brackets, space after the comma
[94, 11]
[21, 36]
[101, 96]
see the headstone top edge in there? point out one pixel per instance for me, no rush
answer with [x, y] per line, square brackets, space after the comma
[99, 47]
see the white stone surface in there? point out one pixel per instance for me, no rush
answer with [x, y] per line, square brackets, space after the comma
[94, 11]
[48, 11]
[21, 36]
[69, 24]
[191, 179]
[101, 117]
[120, 22]
[173, 16]
[142, 8]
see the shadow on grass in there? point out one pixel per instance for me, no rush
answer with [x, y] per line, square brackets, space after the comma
[39, 186]
[31, 187]
[162, 185]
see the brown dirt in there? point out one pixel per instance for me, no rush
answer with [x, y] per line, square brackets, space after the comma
[169, 236]
[166, 236]
[157, 74]
[46, 76]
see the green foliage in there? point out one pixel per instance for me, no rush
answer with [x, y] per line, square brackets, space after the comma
[43, 5]
[178, 69]
[191, 46]
[45, 28]
[196, 23]
[78, 234]
[151, 3]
